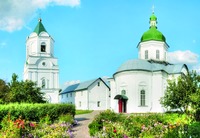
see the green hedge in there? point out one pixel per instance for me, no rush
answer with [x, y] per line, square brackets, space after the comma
[34, 112]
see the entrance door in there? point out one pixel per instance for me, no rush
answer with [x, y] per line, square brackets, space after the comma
[122, 106]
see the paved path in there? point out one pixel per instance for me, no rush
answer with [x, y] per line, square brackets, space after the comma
[81, 130]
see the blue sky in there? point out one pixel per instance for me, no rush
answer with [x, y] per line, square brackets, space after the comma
[94, 37]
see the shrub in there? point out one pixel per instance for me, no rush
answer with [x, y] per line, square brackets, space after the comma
[97, 123]
[34, 112]
[194, 130]
[109, 124]
[66, 118]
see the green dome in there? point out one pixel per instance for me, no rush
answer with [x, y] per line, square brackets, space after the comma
[153, 18]
[153, 34]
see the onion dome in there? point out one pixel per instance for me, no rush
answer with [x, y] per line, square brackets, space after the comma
[153, 33]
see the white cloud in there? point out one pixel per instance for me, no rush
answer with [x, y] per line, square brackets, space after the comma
[14, 13]
[186, 57]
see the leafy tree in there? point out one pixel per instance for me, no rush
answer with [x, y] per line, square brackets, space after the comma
[183, 93]
[4, 89]
[24, 91]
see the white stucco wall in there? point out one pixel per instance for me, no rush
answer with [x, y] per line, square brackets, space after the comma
[151, 47]
[98, 94]
[134, 82]
[87, 99]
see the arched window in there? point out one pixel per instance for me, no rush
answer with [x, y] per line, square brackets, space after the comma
[146, 54]
[43, 47]
[157, 54]
[43, 83]
[123, 92]
[142, 98]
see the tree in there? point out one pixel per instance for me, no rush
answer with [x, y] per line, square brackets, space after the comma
[4, 89]
[24, 91]
[183, 93]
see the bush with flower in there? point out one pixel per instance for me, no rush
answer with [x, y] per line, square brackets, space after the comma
[148, 125]
[44, 129]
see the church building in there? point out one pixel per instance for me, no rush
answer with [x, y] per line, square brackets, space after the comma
[41, 66]
[138, 84]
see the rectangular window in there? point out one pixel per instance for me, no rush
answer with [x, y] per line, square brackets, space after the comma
[142, 98]
[98, 83]
[157, 54]
[79, 103]
[146, 54]
[43, 48]
[67, 95]
[71, 94]
[98, 104]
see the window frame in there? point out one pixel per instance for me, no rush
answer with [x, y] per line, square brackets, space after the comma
[157, 54]
[43, 47]
[146, 54]
[98, 103]
[142, 97]
[43, 84]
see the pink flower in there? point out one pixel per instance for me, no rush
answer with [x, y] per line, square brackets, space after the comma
[32, 124]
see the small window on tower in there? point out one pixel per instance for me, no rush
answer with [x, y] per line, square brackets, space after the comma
[157, 54]
[43, 47]
[146, 54]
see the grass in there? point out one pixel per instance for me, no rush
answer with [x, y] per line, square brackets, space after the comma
[78, 112]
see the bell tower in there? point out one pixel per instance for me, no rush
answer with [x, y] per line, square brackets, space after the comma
[41, 66]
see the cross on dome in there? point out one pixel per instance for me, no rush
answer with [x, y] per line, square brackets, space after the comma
[153, 8]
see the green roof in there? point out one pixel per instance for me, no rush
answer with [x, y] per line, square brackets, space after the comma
[153, 18]
[124, 97]
[153, 34]
[39, 28]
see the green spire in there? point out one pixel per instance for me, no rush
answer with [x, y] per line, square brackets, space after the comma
[39, 28]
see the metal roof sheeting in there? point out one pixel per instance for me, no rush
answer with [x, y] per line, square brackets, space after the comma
[150, 65]
[83, 85]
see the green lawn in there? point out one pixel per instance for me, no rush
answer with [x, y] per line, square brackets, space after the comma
[78, 112]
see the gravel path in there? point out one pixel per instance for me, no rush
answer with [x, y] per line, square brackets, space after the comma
[81, 130]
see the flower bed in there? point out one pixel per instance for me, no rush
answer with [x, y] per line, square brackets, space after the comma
[43, 129]
[109, 124]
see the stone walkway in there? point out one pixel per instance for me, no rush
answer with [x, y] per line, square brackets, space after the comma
[81, 130]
